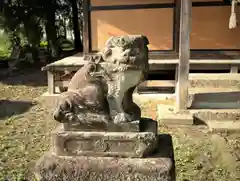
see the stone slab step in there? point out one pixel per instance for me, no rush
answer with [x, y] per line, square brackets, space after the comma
[214, 105]
[215, 119]
[214, 98]
[201, 95]
[214, 76]
[200, 80]
[199, 90]
[167, 115]
[214, 80]
[221, 126]
[219, 119]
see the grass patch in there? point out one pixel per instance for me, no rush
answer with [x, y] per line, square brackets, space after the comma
[25, 135]
[199, 155]
[198, 158]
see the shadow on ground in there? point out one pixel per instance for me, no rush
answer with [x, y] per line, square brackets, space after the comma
[11, 108]
[28, 77]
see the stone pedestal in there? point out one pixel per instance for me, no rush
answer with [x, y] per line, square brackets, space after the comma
[100, 138]
[85, 154]
[158, 166]
[89, 153]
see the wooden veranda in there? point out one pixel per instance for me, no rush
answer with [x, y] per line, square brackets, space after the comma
[181, 53]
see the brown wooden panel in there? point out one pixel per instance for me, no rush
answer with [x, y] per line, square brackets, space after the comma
[210, 28]
[156, 24]
[207, 0]
[127, 2]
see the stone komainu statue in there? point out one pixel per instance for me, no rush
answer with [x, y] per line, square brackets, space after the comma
[101, 91]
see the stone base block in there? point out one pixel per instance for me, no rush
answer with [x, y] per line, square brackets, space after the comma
[121, 144]
[144, 125]
[109, 127]
[158, 167]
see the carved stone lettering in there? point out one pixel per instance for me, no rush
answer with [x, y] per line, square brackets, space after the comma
[123, 144]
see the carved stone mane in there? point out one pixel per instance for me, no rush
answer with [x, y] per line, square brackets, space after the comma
[101, 91]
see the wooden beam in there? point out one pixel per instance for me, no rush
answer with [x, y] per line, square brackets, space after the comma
[158, 83]
[86, 27]
[184, 55]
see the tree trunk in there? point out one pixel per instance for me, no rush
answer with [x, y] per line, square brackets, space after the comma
[52, 34]
[65, 28]
[76, 28]
[35, 54]
[32, 38]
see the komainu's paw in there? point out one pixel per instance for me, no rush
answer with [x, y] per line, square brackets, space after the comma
[122, 117]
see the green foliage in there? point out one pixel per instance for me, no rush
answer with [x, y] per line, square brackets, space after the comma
[26, 20]
[19, 19]
[5, 46]
[43, 44]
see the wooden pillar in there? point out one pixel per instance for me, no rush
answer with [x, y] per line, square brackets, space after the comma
[234, 69]
[86, 31]
[51, 82]
[184, 55]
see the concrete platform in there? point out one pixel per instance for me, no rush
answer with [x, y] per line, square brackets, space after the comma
[46, 94]
[217, 98]
[167, 116]
[49, 100]
[158, 167]
[217, 120]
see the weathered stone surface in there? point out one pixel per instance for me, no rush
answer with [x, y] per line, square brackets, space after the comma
[121, 144]
[101, 126]
[158, 167]
[144, 125]
[101, 91]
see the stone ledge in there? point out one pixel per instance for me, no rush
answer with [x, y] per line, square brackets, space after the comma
[101, 126]
[217, 120]
[167, 115]
[222, 126]
[143, 125]
[47, 94]
[158, 167]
